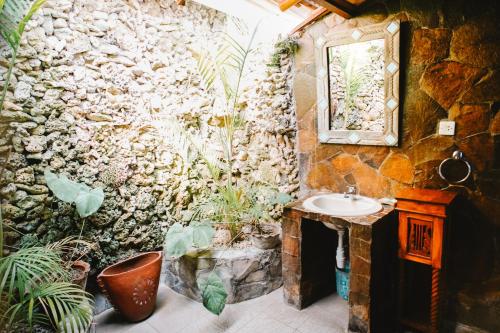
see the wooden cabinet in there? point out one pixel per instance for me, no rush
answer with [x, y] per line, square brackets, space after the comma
[424, 222]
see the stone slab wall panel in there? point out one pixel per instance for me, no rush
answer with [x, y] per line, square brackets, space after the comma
[449, 69]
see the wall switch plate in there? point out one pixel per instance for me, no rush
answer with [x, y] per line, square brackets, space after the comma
[446, 127]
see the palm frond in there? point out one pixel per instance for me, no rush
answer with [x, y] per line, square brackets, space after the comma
[186, 144]
[23, 269]
[62, 304]
[14, 16]
[67, 244]
[225, 66]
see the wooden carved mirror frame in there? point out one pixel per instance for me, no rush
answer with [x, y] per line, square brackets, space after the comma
[389, 136]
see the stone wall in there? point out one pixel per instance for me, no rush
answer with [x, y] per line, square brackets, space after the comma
[450, 53]
[97, 88]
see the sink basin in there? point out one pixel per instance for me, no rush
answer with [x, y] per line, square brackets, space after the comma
[336, 204]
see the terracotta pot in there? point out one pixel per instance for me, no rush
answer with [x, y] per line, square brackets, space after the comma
[131, 285]
[267, 238]
[80, 273]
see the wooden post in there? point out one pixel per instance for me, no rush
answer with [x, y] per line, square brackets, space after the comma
[435, 300]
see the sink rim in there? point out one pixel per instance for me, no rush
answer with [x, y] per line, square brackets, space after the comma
[309, 205]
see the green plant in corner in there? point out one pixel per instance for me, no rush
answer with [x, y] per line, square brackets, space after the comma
[14, 15]
[231, 204]
[285, 47]
[35, 290]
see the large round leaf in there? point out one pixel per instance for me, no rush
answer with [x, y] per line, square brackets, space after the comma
[178, 240]
[213, 293]
[203, 234]
[88, 202]
[63, 188]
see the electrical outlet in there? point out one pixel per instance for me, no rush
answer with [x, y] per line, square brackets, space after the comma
[446, 127]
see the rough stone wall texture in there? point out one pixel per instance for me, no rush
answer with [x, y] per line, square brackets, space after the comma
[95, 88]
[450, 53]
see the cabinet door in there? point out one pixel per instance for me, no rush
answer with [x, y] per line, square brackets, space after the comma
[420, 238]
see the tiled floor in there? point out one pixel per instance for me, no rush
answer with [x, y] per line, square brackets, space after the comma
[266, 314]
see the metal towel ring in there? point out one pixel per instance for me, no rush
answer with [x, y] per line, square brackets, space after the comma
[455, 162]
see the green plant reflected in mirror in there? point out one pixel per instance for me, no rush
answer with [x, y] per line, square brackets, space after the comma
[358, 85]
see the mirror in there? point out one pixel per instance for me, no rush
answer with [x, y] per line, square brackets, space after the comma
[358, 85]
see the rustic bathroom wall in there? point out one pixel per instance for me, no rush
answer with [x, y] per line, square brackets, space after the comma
[450, 53]
[96, 86]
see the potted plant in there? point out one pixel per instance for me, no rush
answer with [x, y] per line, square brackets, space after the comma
[87, 202]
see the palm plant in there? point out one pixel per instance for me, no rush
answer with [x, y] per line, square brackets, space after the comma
[354, 77]
[35, 290]
[14, 15]
[224, 69]
[230, 204]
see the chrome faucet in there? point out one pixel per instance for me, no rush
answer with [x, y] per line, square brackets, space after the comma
[352, 191]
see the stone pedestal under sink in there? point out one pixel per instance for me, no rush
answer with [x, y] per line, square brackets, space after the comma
[309, 263]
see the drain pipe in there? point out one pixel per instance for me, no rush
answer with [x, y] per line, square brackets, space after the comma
[340, 257]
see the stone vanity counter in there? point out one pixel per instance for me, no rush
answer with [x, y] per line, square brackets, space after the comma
[309, 263]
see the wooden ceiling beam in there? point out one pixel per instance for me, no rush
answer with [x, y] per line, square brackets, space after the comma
[315, 15]
[339, 7]
[286, 4]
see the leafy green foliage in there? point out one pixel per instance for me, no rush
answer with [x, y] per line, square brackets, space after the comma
[180, 239]
[63, 188]
[87, 200]
[35, 289]
[14, 16]
[213, 293]
[354, 77]
[238, 205]
[203, 233]
[288, 46]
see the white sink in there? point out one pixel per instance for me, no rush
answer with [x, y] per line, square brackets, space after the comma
[336, 204]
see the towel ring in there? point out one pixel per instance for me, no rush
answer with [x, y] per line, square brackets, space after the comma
[455, 169]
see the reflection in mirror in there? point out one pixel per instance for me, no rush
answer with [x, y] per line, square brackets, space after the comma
[357, 74]
[356, 84]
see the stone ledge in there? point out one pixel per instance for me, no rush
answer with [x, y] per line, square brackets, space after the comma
[247, 273]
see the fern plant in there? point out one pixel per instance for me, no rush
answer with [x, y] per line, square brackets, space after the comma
[14, 15]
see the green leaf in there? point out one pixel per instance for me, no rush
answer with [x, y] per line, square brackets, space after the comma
[203, 234]
[89, 202]
[63, 188]
[213, 293]
[178, 240]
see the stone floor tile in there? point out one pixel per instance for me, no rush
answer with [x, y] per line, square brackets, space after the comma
[267, 314]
